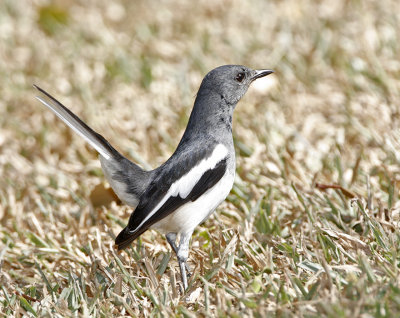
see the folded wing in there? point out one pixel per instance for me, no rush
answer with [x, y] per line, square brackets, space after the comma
[172, 190]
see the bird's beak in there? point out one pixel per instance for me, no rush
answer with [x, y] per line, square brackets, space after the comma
[261, 73]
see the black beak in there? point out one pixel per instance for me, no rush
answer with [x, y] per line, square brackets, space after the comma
[261, 73]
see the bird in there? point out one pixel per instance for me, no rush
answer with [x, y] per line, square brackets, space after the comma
[185, 190]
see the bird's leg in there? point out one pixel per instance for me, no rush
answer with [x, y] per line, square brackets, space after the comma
[183, 274]
[171, 239]
[184, 243]
[182, 255]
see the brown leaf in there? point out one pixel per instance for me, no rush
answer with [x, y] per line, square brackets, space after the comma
[102, 196]
[346, 192]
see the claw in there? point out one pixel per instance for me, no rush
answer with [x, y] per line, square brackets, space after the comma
[188, 273]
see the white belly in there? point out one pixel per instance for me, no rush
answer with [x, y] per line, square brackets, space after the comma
[191, 214]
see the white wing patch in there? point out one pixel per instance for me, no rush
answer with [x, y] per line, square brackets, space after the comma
[188, 216]
[186, 183]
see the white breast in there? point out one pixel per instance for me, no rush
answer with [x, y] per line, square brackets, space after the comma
[187, 217]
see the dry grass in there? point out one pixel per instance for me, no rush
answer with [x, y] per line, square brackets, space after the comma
[311, 227]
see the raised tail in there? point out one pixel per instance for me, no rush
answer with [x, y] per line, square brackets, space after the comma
[96, 140]
[126, 178]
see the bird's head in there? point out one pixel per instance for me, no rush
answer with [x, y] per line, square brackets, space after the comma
[232, 81]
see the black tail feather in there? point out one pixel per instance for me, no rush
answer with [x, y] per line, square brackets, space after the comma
[125, 238]
[58, 107]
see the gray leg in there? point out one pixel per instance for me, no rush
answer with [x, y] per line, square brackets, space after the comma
[182, 255]
[171, 239]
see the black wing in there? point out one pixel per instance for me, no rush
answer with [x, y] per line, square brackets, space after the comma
[207, 181]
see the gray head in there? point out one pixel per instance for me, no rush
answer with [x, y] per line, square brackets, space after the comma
[231, 81]
[220, 91]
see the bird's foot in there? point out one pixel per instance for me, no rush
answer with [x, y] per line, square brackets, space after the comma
[185, 273]
[188, 273]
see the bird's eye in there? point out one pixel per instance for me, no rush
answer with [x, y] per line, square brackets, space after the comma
[240, 77]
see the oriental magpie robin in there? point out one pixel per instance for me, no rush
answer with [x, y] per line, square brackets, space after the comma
[180, 194]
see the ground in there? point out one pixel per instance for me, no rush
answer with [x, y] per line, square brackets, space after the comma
[311, 227]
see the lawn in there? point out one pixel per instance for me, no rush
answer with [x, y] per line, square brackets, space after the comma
[311, 227]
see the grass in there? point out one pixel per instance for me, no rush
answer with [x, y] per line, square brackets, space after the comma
[311, 227]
